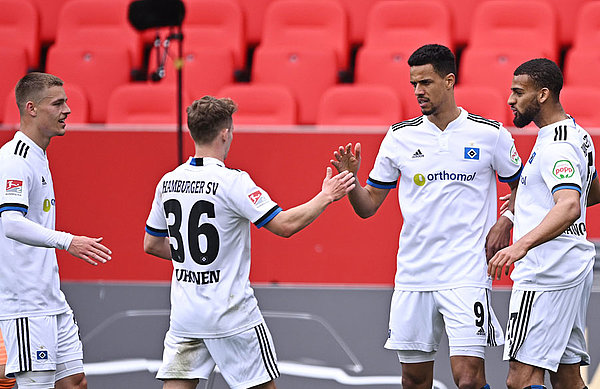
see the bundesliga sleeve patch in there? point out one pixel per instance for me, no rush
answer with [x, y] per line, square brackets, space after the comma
[563, 169]
[14, 187]
[257, 198]
[514, 156]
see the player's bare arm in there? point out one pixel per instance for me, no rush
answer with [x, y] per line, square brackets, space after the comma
[365, 200]
[565, 212]
[594, 193]
[288, 222]
[157, 246]
[499, 235]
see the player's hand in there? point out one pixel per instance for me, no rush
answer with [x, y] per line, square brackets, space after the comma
[498, 237]
[504, 205]
[339, 185]
[345, 159]
[503, 259]
[89, 249]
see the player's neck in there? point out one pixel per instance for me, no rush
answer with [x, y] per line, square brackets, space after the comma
[36, 136]
[444, 116]
[556, 114]
[207, 151]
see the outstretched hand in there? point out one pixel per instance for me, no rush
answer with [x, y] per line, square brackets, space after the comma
[345, 159]
[339, 185]
[89, 249]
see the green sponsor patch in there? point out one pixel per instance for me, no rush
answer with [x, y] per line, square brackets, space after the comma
[514, 156]
[563, 169]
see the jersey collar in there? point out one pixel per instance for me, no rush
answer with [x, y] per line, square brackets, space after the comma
[33, 147]
[204, 161]
[548, 130]
[453, 124]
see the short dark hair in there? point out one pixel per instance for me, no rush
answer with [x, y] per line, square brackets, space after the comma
[544, 73]
[207, 116]
[440, 57]
[31, 86]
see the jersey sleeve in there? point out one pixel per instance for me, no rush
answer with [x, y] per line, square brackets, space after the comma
[561, 167]
[385, 173]
[15, 181]
[506, 162]
[156, 224]
[252, 202]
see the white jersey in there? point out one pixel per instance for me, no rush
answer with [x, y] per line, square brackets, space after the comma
[562, 158]
[447, 196]
[206, 208]
[29, 280]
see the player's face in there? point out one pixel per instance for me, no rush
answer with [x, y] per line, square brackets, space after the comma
[52, 110]
[523, 100]
[430, 88]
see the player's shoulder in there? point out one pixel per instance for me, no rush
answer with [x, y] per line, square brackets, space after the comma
[480, 121]
[15, 154]
[407, 124]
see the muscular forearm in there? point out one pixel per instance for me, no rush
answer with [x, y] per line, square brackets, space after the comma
[292, 220]
[365, 201]
[18, 227]
[158, 246]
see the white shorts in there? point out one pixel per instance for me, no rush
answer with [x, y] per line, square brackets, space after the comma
[41, 343]
[246, 359]
[547, 328]
[417, 320]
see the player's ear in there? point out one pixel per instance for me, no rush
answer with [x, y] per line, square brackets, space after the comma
[223, 134]
[30, 108]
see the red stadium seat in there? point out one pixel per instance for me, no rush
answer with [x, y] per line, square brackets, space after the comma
[92, 24]
[75, 99]
[307, 73]
[205, 71]
[97, 71]
[254, 14]
[392, 24]
[492, 68]
[359, 105]
[357, 21]
[143, 103]
[461, 12]
[483, 101]
[581, 67]
[13, 66]
[587, 27]
[48, 11]
[567, 12]
[261, 104]
[19, 29]
[581, 102]
[211, 24]
[388, 68]
[300, 24]
[507, 25]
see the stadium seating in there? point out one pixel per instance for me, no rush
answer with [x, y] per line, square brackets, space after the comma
[19, 29]
[211, 24]
[461, 12]
[97, 71]
[144, 103]
[393, 25]
[254, 13]
[581, 67]
[581, 102]
[359, 105]
[567, 12]
[76, 101]
[260, 104]
[388, 68]
[13, 66]
[91, 24]
[48, 11]
[306, 72]
[312, 24]
[205, 70]
[508, 25]
[492, 68]
[357, 12]
[484, 101]
[587, 27]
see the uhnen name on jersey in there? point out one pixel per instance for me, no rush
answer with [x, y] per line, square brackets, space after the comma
[195, 187]
[198, 277]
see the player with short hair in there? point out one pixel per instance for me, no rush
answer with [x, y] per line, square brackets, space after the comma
[446, 161]
[553, 259]
[40, 333]
[200, 219]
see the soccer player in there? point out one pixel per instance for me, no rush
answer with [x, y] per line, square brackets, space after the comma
[553, 259]
[40, 333]
[200, 219]
[447, 161]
